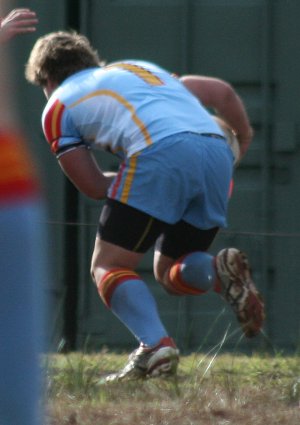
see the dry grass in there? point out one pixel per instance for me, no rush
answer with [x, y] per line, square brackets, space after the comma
[227, 389]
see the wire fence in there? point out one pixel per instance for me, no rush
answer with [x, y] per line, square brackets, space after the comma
[223, 232]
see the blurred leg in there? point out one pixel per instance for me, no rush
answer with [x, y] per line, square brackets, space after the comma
[23, 280]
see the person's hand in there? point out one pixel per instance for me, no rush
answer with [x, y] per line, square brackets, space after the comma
[18, 21]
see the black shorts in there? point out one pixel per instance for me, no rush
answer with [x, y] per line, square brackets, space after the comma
[137, 231]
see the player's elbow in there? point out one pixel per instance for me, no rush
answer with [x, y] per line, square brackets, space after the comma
[227, 92]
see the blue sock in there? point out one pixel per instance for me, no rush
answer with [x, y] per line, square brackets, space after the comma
[133, 303]
[197, 270]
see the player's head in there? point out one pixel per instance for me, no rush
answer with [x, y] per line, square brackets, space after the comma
[58, 55]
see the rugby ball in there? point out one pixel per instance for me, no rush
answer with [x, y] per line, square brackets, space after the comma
[231, 139]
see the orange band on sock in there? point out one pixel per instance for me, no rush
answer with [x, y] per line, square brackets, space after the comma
[111, 280]
[177, 284]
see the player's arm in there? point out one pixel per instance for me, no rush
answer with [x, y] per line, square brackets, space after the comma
[220, 96]
[73, 154]
[81, 168]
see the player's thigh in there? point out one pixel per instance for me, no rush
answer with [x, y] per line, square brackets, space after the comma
[124, 235]
[108, 256]
[177, 241]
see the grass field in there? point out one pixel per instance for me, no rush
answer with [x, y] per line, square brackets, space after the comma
[210, 390]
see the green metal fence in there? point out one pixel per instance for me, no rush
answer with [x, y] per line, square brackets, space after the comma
[253, 44]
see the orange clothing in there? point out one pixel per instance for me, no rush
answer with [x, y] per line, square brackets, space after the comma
[17, 174]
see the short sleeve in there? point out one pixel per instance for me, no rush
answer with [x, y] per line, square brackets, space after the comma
[59, 129]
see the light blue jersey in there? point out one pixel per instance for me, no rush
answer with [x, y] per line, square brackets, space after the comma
[146, 116]
[122, 107]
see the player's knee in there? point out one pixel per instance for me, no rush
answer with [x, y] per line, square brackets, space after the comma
[93, 267]
[98, 268]
[161, 277]
[97, 272]
[161, 272]
[94, 271]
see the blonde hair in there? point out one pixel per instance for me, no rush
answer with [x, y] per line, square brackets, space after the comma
[58, 55]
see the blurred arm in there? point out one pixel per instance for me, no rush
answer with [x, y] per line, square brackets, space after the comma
[18, 21]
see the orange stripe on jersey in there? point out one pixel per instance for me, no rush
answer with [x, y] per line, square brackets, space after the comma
[141, 72]
[17, 176]
[129, 178]
[123, 102]
[111, 280]
[52, 124]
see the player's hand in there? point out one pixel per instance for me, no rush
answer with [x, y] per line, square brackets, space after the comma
[18, 21]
